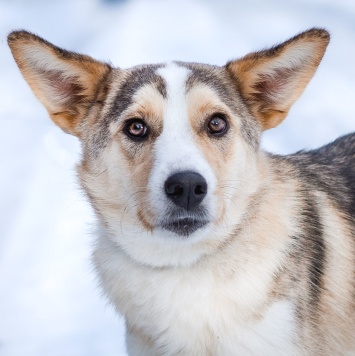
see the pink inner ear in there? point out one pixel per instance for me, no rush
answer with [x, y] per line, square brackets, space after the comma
[68, 89]
[270, 88]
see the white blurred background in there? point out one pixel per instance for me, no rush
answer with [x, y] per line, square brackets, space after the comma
[50, 302]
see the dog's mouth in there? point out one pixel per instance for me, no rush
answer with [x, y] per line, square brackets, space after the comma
[184, 226]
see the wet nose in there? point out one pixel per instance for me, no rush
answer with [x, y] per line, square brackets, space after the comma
[186, 189]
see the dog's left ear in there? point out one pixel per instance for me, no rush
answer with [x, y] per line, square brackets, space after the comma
[66, 83]
[271, 80]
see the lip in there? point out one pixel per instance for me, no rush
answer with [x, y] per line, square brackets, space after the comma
[183, 227]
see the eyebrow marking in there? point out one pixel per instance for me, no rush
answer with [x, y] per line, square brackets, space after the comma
[125, 91]
[138, 77]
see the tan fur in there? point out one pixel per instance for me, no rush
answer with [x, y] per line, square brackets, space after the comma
[148, 104]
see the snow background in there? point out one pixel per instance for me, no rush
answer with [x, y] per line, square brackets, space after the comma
[50, 303]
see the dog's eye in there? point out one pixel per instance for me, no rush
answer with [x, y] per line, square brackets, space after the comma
[136, 129]
[217, 125]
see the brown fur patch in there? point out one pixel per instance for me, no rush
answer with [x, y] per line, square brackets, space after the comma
[141, 216]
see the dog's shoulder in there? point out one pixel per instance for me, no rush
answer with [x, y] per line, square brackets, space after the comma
[330, 168]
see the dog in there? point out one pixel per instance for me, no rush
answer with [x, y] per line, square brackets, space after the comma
[206, 244]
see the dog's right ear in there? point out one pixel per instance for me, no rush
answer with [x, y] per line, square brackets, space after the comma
[65, 83]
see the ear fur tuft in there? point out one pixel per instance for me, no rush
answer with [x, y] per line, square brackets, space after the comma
[66, 83]
[273, 79]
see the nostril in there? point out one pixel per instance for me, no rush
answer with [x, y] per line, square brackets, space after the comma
[175, 190]
[200, 189]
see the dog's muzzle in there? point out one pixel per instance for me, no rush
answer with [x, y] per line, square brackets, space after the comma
[186, 190]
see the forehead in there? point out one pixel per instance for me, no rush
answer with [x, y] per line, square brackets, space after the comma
[126, 84]
[179, 75]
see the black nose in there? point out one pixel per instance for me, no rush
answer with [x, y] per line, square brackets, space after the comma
[186, 189]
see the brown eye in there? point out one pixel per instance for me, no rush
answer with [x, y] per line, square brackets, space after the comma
[217, 125]
[136, 129]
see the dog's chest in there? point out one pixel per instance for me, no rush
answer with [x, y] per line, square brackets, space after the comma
[194, 312]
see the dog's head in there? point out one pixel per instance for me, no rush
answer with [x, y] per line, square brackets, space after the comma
[170, 151]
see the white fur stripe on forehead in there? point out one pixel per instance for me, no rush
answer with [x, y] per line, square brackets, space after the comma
[175, 78]
[177, 133]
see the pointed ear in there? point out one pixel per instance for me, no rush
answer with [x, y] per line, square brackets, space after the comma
[270, 81]
[66, 83]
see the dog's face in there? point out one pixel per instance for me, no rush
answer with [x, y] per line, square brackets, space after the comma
[171, 164]
[170, 152]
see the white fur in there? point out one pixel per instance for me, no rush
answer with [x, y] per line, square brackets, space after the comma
[194, 312]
